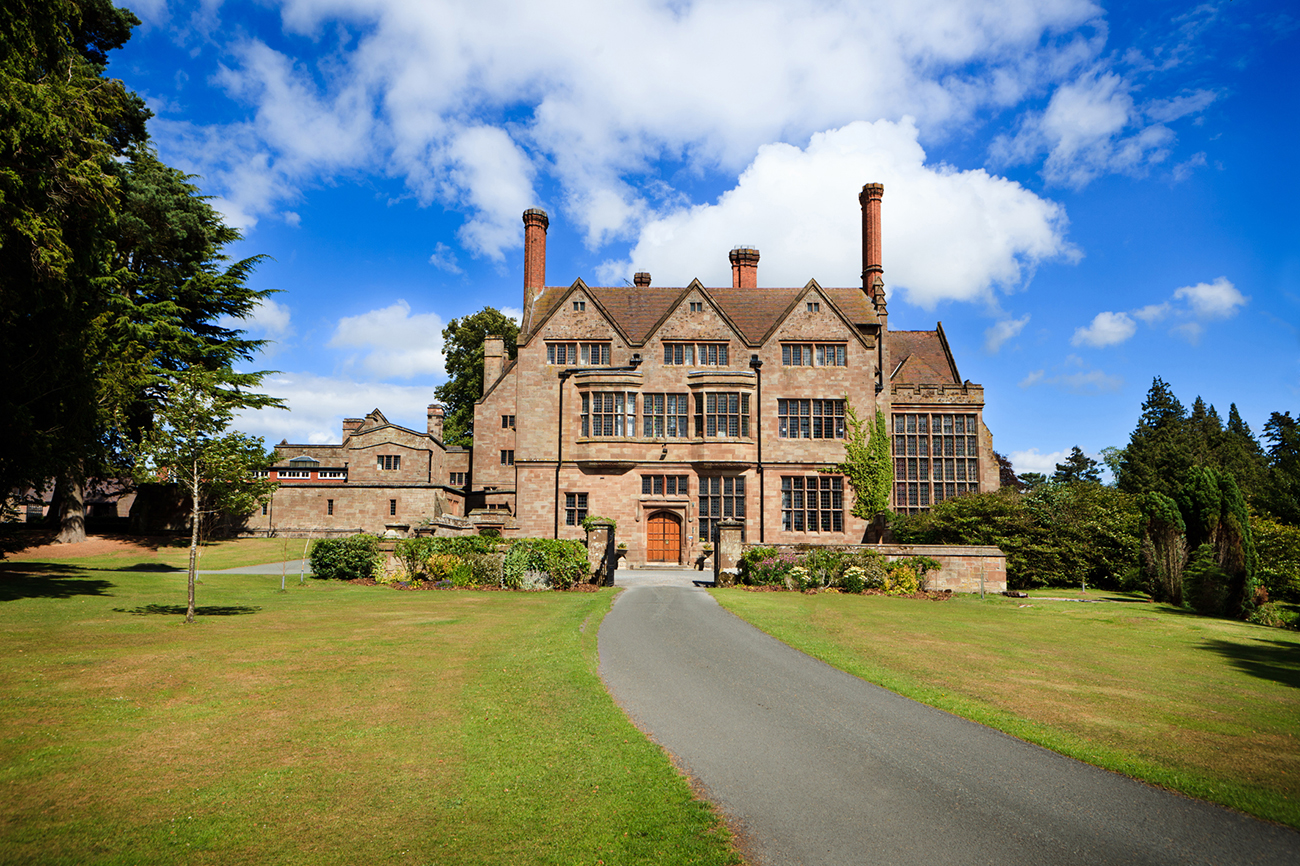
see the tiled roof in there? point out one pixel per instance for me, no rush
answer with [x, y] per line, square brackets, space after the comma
[923, 357]
[636, 310]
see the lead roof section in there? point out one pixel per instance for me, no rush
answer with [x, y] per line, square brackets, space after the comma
[637, 310]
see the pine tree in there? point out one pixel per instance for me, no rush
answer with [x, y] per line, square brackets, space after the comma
[1077, 468]
[1281, 490]
[1241, 455]
[1158, 454]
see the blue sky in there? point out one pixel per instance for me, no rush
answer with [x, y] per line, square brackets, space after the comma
[1085, 195]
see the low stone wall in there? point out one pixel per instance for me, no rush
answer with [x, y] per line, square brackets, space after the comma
[961, 566]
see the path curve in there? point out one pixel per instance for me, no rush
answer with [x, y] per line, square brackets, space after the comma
[820, 768]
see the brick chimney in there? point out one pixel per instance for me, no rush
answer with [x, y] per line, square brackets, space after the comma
[494, 360]
[435, 421]
[641, 279]
[350, 426]
[535, 224]
[744, 268]
[872, 268]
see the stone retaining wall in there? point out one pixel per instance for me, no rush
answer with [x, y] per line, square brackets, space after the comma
[961, 566]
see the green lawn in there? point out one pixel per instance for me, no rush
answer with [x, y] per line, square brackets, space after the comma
[327, 724]
[164, 553]
[1204, 706]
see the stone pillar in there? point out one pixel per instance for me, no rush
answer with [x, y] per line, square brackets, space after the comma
[727, 551]
[601, 555]
[435, 418]
[494, 360]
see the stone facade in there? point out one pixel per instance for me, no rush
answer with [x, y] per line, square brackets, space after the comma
[669, 409]
[381, 475]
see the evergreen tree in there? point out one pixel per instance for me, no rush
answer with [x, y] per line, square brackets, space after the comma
[462, 347]
[63, 128]
[1158, 454]
[1241, 456]
[1204, 434]
[1281, 490]
[1032, 480]
[1077, 468]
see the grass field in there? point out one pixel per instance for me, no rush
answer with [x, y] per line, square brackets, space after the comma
[326, 724]
[1204, 706]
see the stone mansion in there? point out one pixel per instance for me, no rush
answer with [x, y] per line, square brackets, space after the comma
[667, 409]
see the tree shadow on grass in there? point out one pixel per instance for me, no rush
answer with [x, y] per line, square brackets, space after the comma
[179, 610]
[16, 585]
[150, 566]
[1274, 660]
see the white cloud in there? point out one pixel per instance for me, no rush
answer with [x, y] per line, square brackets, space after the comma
[1032, 460]
[396, 344]
[1033, 378]
[1152, 313]
[1002, 331]
[444, 259]
[1079, 382]
[318, 405]
[1092, 126]
[1107, 329]
[513, 313]
[467, 101]
[1191, 307]
[270, 318]
[800, 207]
[1217, 300]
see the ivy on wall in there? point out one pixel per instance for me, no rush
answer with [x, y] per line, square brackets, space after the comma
[867, 464]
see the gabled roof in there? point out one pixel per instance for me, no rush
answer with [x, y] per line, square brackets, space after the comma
[922, 358]
[637, 311]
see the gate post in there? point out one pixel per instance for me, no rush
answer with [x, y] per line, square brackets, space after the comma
[726, 552]
[602, 558]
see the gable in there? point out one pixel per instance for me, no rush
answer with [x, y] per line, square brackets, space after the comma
[921, 358]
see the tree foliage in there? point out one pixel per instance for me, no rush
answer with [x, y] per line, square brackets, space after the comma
[113, 275]
[462, 349]
[1280, 495]
[1055, 535]
[1077, 468]
[1157, 454]
[62, 128]
[191, 446]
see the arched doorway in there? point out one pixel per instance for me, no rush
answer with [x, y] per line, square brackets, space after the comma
[664, 537]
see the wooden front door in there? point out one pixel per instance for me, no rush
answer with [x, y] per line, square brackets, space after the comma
[664, 538]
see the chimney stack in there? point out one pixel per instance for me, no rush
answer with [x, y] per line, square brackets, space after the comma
[435, 421]
[872, 268]
[641, 279]
[535, 224]
[494, 360]
[744, 268]
[350, 426]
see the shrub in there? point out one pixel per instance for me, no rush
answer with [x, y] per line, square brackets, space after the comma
[485, 568]
[489, 532]
[441, 565]
[769, 568]
[413, 554]
[869, 567]
[564, 562]
[902, 579]
[1274, 615]
[347, 558]
[853, 579]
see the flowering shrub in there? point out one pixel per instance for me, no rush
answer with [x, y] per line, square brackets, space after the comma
[902, 579]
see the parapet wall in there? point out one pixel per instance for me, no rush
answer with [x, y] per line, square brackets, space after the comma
[963, 568]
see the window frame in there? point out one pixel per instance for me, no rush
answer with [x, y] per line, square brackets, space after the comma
[815, 421]
[707, 419]
[716, 503]
[932, 460]
[812, 503]
[575, 507]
